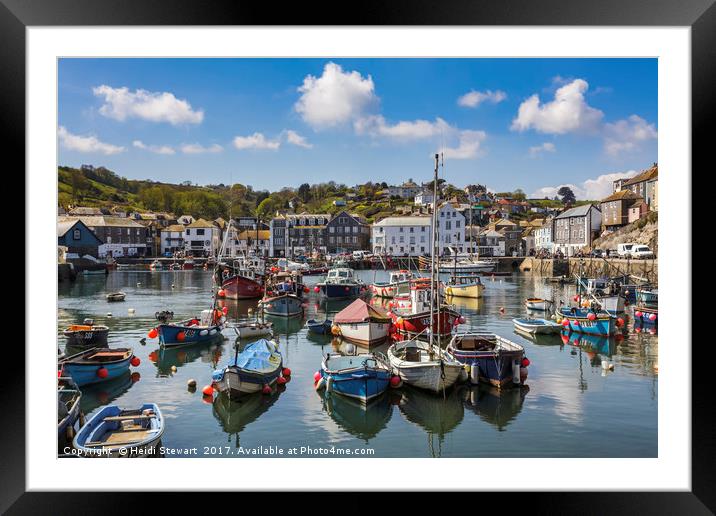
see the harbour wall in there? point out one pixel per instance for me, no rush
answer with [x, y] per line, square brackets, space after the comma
[591, 267]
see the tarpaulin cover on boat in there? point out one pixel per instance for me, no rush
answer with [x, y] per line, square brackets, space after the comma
[359, 311]
[258, 356]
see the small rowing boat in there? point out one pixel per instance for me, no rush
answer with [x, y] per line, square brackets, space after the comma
[491, 358]
[115, 432]
[97, 364]
[115, 296]
[363, 377]
[257, 366]
[319, 327]
[424, 365]
[534, 326]
[86, 335]
[537, 303]
[252, 329]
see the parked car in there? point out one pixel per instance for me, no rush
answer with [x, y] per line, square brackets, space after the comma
[641, 252]
[361, 255]
[597, 253]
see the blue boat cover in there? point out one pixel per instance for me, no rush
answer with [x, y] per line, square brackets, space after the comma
[260, 356]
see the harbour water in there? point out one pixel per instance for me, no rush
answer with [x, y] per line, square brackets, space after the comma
[572, 405]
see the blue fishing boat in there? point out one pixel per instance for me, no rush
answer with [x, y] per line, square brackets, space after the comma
[97, 365]
[491, 358]
[319, 327]
[191, 331]
[646, 315]
[363, 377]
[648, 297]
[582, 320]
[114, 432]
[68, 412]
[283, 305]
[257, 366]
[340, 283]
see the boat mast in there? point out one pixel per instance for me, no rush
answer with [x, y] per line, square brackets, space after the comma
[433, 235]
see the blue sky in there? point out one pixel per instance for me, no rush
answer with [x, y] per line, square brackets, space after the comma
[533, 124]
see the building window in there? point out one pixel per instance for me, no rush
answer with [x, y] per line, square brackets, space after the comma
[76, 234]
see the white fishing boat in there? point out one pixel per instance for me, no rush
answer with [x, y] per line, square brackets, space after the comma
[390, 288]
[361, 323]
[115, 296]
[537, 303]
[289, 265]
[424, 365]
[251, 329]
[469, 264]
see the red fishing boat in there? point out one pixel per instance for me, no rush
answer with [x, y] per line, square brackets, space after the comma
[411, 312]
[242, 280]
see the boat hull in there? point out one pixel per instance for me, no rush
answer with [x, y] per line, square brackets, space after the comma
[251, 330]
[495, 367]
[357, 379]
[237, 382]
[580, 323]
[538, 304]
[338, 291]
[240, 287]
[366, 333]
[538, 326]
[472, 291]
[414, 324]
[287, 305]
[86, 374]
[169, 334]
[94, 338]
[319, 328]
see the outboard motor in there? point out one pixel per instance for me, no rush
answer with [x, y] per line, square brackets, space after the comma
[88, 322]
[164, 316]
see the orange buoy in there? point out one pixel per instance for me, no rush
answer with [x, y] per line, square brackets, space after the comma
[102, 372]
[208, 390]
[135, 361]
[153, 333]
[181, 336]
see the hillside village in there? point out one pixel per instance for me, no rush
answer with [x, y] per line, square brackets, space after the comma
[102, 215]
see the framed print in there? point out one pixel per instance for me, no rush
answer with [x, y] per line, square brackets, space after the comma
[423, 241]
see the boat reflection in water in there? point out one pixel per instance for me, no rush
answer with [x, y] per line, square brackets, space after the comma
[467, 304]
[166, 358]
[435, 414]
[361, 420]
[591, 344]
[238, 308]
[104, 393]
[285, 325]
[540, 339]
[499, 407]
[235, 415]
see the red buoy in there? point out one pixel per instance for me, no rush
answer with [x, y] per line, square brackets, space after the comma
[652, 317]
[461, 319]
[525, 362]
[395, 381]
[59, 373]
[620, 322]
[316, 376]
[576, 299]
[266, 389]
[281, 380]
[592, 316]
[208, 390]
[153, 333]
[221, 293]
[565, 322]
[225, 310]
[180, 336]
[638, 313]
[102, 372]
[135, 361]
[316, 289]
[286, 371]
[305, 290]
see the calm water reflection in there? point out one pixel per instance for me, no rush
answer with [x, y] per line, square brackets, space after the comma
[586, 397]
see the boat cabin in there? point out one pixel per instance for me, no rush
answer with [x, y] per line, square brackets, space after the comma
[340, 275]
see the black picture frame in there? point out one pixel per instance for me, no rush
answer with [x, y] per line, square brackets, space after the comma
[700, 15]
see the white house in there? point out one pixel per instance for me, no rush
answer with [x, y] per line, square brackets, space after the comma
[543, 237]
[172, 239]
[401, 236]
[244, 242]
[451, 229]
[424, 198]
[407, 190]
[202, 238]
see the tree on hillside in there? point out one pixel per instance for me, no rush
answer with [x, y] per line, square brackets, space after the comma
[519, 195]
[304, 192]
[79, 184]
[567, 194]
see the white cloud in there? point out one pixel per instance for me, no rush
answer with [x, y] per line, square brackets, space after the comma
[591, 189]
[120, 104]
[87, 144]
[568, 112]
[294, 138]
[475, 98]
[468, 147]
[196, 148]
[539, 149]
[376, 125]
[256, 141]
[627, 135]
[156, 149]
[334, 98]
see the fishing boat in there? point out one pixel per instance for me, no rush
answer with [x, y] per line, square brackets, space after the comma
[188, 263]
[362, 324]
[97, 364]
[424, 365]
[491, 358]
[582, 320]
[191, 331]
[319, 327]
[290, 266]
[648, 297]
[412, 313]
[315, 271]
[468, 265]
[465, 286]
[283, 305]
[68, 411]
[116, 296]
[241, 280]
[156, 265]
[607, 293]
[534, 326]
[114, 432]
[252, 329]
[86, 335]
[363, 377]
[645, 315]
[257, 366]
[537, 303]
[390, 287]
[340, 283]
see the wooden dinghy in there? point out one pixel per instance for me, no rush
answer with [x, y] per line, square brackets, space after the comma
[319, 327]
[97, 364]
[86, 335]
[531, 325]
[115, 432]
[424, 365]
[491, 358]
[252, 329]
[537, 303]
[260, 364]
[113, 297]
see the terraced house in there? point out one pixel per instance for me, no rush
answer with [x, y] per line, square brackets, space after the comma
[296, 234]
[119, 236]
[347, 232]
[576, 228]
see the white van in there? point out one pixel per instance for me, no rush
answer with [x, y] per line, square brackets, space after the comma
[641, 252]
[624, 250]
[360, 255]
